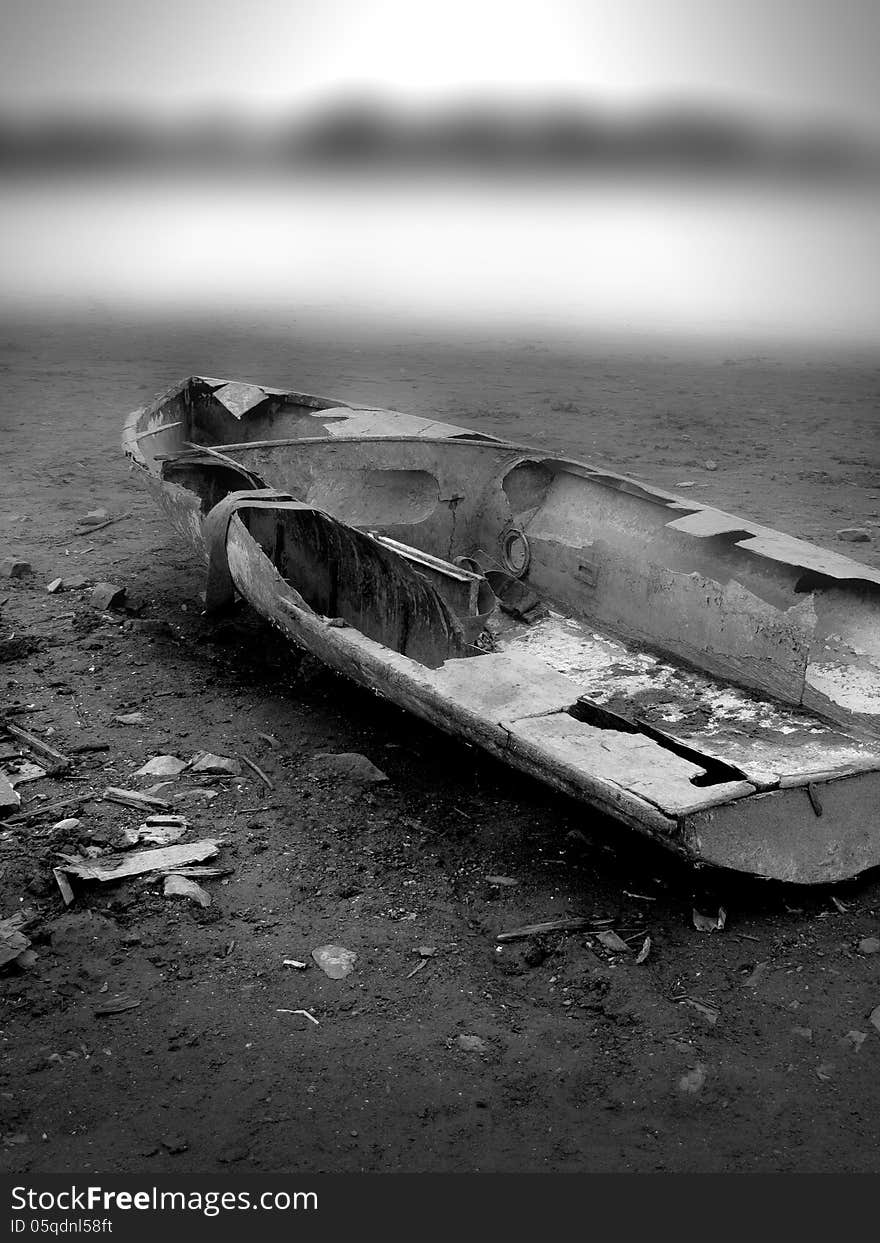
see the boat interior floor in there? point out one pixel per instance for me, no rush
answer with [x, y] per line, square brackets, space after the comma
[626, 688]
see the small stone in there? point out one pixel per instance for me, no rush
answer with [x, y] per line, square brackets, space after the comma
[162, 766]
[805, 1033]
[175, 1144]
[183, 887]
[206, 762]
[55, 585]
[471, 1044]
[129, 718]
[427, 951]
[11, 567]
[693, 1080]
[335, 960]
[350, 767]
[107, 596]
[869, 945]
[854, 535]
[709, 464]
[854, 1039]
[66, 826]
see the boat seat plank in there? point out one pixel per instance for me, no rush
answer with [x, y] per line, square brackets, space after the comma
[633, 762]
[766, 740]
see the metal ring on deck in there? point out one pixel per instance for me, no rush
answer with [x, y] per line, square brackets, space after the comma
[515, 551]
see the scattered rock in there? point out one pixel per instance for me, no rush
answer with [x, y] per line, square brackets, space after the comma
[825, 1071]
[350, 767]
[709, 464]
[471, 1044]
[335, 960]
[181, 887]
[107, 596]
[611, 941]
[854, 1039]
[206, 762]
[162, 766]
[55, 585]
[805, 1033]
[869, 945]
[129, 718]
[854, 535]
[693, 1080]
[502, 881]
[426, 951]
[11, 567]
[68, 825]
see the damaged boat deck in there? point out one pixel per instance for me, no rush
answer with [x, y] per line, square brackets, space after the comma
[704, 679]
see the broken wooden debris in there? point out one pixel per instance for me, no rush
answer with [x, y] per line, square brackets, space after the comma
[200, 872]
[259, 772]
[116, 1005]
[93, 517]
[609, 939]
[133, 798]
[36, 744]
[91, 527]
[304, 1013]
[20, 771]
[709, 923]
[177, 886]
[112, 868]
[643, 953]
[417, 968]
[13, 942]
[55, 585]
[572, 923]
[335, 960]
[294, 962]
[158, 831]
[10, 800]
[36, 813]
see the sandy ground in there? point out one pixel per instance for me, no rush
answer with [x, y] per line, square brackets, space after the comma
[580, 1060]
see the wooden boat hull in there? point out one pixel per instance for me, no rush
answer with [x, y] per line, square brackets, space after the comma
[706, 681]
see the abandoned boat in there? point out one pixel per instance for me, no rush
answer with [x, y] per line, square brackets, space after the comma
[705, 680]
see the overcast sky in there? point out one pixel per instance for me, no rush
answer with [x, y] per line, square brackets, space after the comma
[791, 59]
